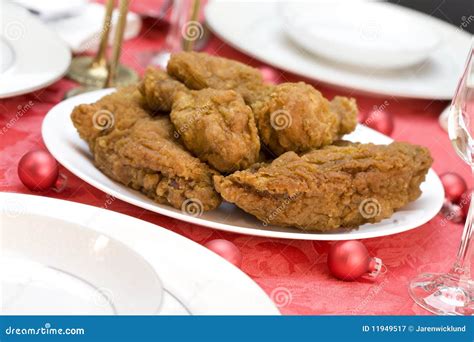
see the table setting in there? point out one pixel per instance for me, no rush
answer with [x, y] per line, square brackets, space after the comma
[216, 157]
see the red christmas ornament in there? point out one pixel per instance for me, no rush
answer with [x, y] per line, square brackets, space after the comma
[269, 74]
[454, 186]
[379, 120]
[227, 250]
[349, 260]
[39, 171]
[452, 212]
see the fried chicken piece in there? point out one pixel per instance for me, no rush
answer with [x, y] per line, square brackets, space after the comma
[200, 70]
[159, 89]
[296, 117]
[218, 127]
[347, 112]
[119, 110]
[149, 159]
[336, 186]
[289, 116]
[141, 152]
[215, 125]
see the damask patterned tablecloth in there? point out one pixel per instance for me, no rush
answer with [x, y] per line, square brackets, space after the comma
[292, 272]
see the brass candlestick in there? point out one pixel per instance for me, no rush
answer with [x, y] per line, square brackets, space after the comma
[114, 75]
[190, 38]
[92, 72]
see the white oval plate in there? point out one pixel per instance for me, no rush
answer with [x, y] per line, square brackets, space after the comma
[362, 34]
[256, 28]
[196, 280]
[63, 141]
[35, 57]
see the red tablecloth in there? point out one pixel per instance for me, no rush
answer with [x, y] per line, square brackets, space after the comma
[293, 273]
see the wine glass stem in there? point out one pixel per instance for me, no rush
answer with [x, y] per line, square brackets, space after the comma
[174, 38]
[462, 264]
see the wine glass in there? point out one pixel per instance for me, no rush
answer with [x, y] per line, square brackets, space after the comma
[186, 32]
[452, 293]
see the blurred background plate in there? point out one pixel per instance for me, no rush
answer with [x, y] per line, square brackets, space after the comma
[257, 28]
[370, 34]
[131, 252]
[33, 56]
[64, 143]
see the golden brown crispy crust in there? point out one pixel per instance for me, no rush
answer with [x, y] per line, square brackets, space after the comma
[336, 186]
[200, 70]
[119, 110]
[141, 152]
[347, 112]
[218, 127]
[159, 89]
[312, 120]
[296, 117]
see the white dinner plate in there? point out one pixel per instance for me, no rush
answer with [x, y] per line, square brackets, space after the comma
[61, 257]
[55, 267]
[63, 141]
[256, 28]
[362, 34]
[33, 56]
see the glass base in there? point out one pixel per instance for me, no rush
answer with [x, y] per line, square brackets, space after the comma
[157, 59]
[443, 294]
[160, 59]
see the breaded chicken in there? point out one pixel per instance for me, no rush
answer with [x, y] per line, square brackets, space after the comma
[218, 127]
[141, 152]
[346, 110]
[296, 117]
[159, 89]
[119, 110]
[200, 70]
[289, 116]
[336, 186]
[215, 125]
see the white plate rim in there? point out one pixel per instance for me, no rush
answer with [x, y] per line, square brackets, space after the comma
[41, 40]
[211, 13]
[49, 139]
[133, 232]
